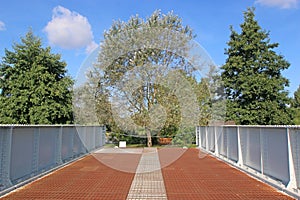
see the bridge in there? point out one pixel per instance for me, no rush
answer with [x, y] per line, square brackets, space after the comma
[70, 162]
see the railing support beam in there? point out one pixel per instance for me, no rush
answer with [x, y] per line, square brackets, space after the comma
[292, 185]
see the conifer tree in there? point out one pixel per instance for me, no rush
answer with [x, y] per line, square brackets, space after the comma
[252, 78]
[34, 87]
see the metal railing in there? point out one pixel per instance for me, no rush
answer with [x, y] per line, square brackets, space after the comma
[27, 151]
[271, 153]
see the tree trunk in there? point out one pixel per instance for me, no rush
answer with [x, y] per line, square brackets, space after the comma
[149, 139]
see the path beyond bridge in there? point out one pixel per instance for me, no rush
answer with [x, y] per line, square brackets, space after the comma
[147, 174]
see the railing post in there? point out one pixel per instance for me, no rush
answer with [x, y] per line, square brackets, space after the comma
[100, 135]
[292, 185]
[35, 154]
[200, 137]
[227, 142]
[240, 153]
[197, 142]
[74, 131]
[103, 133]
[58, 148]
[96, 143]
[94, 138]
[216, 142]
[6, 158]
[206, 138]
[261, 140]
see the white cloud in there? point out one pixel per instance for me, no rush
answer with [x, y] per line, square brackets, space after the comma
[69, 30]
[2, 26]
[284, 4]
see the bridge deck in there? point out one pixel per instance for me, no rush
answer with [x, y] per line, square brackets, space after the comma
[190, 176]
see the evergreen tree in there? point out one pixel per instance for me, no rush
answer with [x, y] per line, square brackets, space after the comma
[252, 78]
[34, 86]
[296, 106]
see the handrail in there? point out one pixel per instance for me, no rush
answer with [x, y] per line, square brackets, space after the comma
[29, 150]
[270, 153]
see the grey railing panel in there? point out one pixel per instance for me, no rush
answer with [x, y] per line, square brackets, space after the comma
[47, 147]
[223, 142]
[22, 153]
[5, 157]
[27, 151]
[218, 138]
[275, 153]
[269, 152]
[232, 143]
[98, 137]
[211, 138]
[67, 143]
[250, 141]
[78, 147]
[90, 138]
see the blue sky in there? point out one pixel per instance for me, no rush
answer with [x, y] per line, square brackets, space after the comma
[74, 28]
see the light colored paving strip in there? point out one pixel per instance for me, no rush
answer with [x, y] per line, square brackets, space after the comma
[148, 182]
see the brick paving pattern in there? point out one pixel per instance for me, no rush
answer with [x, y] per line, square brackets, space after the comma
[87, 178]
[191, 177]
[188, 177]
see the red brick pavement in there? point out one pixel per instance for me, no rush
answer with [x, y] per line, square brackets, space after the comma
[188, 177]
[191, 177]
[87, 178]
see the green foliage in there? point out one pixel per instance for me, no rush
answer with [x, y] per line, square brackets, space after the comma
[185, 137]
[122, 53]
[252, 77]
[211, 99]
[296, 106]
[296, 101]
[296, 119]
[34, 86]
[84, 105]
[149, 65]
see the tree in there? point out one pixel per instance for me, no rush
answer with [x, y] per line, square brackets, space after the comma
[144, 73]
[252, 77]
[84, 105]
[296, 106]
[34, 86]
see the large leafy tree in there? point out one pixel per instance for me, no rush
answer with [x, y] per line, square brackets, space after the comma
[34, 87]
[296, 106]
[143, 63]
[252, 77]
